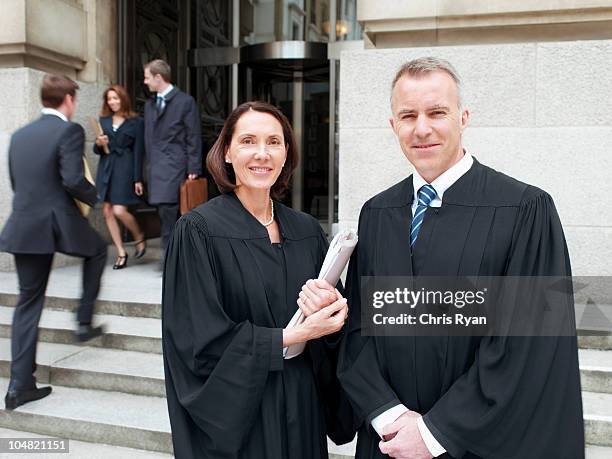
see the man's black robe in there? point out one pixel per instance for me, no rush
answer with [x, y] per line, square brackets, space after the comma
[227, 295]
[490, 397]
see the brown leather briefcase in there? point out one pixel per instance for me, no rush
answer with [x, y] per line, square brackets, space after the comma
[193, 193]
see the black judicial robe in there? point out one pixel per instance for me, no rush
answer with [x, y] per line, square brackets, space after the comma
[227, 295]
[489, 397]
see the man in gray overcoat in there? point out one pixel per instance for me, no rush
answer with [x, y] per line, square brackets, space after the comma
[172, 143]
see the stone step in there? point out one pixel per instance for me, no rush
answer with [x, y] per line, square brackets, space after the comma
[94, 368]
[592, 333]
[593, 319]
[81, 449]
[597, 418]
[113, 418]
[592, 452]
[590, 341]
[114, 307]
[343, 451]
[116, 419]
[596, 370]
[127, 333]
[593, 432]
[598, 452]
[134, 291]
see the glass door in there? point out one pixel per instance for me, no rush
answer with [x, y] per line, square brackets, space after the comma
[302, 93]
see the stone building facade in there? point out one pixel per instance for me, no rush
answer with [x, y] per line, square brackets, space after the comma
[538, 83]
[538, 79]
[73, 37]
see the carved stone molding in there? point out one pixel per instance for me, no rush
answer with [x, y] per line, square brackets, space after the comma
[29, 36]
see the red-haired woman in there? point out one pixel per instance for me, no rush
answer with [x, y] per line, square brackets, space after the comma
[119, 177]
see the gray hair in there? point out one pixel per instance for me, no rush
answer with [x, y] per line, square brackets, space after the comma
[424, 65]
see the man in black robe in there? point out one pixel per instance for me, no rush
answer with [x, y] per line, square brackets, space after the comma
[449, 396]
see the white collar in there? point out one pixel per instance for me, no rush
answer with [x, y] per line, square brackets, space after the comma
[445, 180]
[166, 91]
[52, 111]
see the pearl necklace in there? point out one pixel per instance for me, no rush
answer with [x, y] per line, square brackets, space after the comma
[269, 222]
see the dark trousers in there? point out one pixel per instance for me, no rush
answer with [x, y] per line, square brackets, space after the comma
[168, 215]
[33, 272]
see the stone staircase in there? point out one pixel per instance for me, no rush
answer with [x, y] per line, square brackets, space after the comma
[595, 357]
[108, 395]
[109, 391]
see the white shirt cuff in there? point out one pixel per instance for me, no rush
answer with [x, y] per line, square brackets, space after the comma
[435, 448]
[387, 417]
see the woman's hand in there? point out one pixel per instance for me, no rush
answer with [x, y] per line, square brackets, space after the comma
[315, 295]
[326, 321]
[138, 189]
[102, 140]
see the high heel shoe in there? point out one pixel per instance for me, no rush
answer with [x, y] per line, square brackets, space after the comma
[121, 261]
[141, 253]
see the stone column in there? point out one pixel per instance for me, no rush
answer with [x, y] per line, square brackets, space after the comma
[72, 37]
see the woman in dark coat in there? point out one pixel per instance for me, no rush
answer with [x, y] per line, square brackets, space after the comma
[119, 176]
[234, 268]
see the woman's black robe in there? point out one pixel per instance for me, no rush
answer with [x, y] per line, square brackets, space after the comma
[227, 295]
[491, 397]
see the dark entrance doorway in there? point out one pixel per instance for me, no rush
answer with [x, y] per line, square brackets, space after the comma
[300, 88]
[149, 29]
[294, 76]
[205, 43]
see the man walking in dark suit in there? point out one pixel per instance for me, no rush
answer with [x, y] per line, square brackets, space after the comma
[172, 143]
[46, 172]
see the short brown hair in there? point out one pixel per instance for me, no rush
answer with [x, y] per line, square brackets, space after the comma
[126, 105]
[54, 89]
[160, 67]
[223, 173]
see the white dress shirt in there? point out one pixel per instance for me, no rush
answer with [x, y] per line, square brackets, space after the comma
[163, 95]
[52, 111]
[441, 184]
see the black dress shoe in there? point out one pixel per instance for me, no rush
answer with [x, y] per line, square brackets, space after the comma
[87, 332]
[140, 253]
[121, 261]
[15, 398]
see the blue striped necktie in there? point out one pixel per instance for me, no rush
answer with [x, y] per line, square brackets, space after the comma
[160, 103]
[426, 194]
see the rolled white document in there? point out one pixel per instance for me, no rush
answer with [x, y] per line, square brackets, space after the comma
[338, 255]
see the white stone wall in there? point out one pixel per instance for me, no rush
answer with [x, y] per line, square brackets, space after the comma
[16, 103]
[20, 102]
[540, 112]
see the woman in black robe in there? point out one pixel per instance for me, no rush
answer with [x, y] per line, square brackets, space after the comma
[119, 176]
[233, 271]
